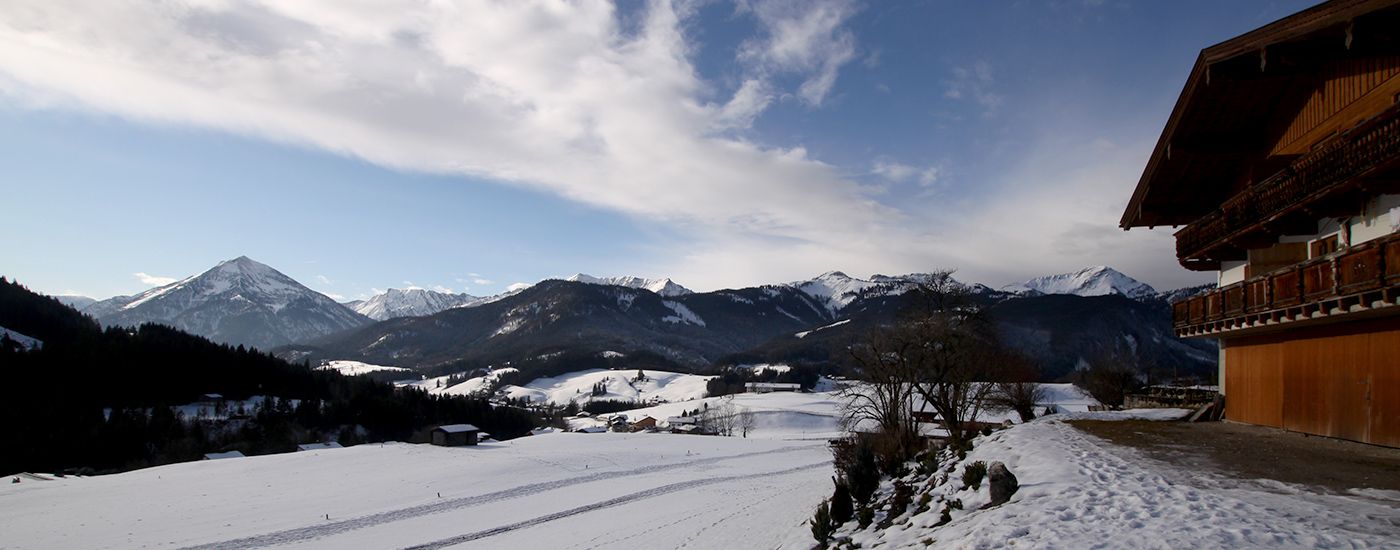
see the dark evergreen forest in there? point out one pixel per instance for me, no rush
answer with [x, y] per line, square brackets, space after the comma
[95, 400]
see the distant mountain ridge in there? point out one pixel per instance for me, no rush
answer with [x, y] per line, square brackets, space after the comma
[1090, 281]
[664, 287]
[654, 322]
[411, 302]
[238, 301]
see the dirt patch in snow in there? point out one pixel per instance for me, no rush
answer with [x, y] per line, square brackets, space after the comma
[1255, 452]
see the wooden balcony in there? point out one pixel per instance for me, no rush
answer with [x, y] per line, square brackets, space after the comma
[1350, 283]
[1261, 212]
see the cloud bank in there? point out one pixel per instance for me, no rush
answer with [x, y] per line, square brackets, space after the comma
[569, 98]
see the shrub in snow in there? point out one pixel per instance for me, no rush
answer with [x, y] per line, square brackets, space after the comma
[903, 494]
[861, 473]
[821, 524]
[866, 517]
[841, 509]
[973, 474]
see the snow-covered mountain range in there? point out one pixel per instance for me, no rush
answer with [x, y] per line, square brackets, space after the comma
[239, 301]
[1090, 281]
[411, 302]
[664, 287]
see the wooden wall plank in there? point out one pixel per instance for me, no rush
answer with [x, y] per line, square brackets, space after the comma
[1340, 380]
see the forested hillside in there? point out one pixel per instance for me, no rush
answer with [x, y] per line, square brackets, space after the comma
[101, 399]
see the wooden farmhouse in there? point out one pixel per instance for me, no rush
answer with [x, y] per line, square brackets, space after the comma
[455, 435]
[1280, 165]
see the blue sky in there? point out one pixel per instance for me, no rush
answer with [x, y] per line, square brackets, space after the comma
[469, 146]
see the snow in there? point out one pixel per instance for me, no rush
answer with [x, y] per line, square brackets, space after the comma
[761, 367]
[412, 302]
[558, 490]
[1081, 492]
[511, 325]
[578, 386]
[663, 287]
[1090, 281]
[470, 386]
[353, 368]
[609, 354]
[25, 342]
[682, 314]
[836, 324]
[834, 288]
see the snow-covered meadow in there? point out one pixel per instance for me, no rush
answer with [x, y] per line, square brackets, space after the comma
[559, 490]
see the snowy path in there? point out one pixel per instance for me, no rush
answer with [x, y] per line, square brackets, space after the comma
[1078, 491]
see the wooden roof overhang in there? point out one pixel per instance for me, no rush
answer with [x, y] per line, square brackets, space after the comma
[1236, 103]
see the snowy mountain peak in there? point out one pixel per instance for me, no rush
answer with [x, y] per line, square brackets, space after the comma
[411, 302]
[238, 301]
[1090, 281]
[665, 287]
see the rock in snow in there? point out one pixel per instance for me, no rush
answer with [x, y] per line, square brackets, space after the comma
[1002, 484]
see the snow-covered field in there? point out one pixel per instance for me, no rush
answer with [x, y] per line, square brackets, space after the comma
[353, 368]
[559, 490]
[619, 384]
[644, 490]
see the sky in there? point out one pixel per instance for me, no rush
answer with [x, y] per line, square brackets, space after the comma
[468, 146]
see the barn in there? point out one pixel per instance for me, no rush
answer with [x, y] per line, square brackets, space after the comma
[1280, 163]
[455, 435]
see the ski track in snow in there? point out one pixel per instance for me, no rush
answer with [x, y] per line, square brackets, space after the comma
[334, 528]
[624, 499]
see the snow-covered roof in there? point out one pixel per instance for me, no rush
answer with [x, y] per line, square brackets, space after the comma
[458, 428]
[315, 446]
[216, 456]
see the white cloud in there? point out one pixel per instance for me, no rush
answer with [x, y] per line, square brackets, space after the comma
[518, 286]
[900, 173]
[324, 280]
[974, 83]
[335, 296]
[443, 289]
[482, 282]
[547, 96]
[803, 37]
[558, 97]
[153, 280]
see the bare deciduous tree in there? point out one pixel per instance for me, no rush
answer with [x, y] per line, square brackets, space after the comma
[1018, 389]
[1110, 377]
[747, 421]
[942, 350]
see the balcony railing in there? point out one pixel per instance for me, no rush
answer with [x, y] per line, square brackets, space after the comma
[1325, 170]
[1362, 278]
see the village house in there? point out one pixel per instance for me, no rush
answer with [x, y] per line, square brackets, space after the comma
[645, 423]
[1281, 164]
[769, 387]
[318, 446]
[455, 435]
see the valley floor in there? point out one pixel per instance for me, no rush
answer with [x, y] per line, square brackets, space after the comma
[579, 491]
[558, 490]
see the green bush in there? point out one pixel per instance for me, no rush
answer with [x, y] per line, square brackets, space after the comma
[973, 474]
[862, 475]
